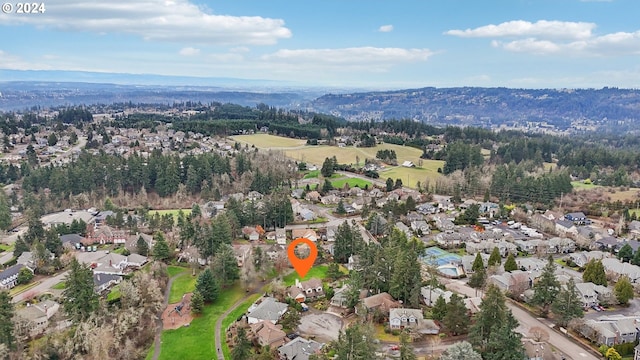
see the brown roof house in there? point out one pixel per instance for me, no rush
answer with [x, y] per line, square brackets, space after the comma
[306, 290]
[34, 318]
[268, 334]
[304, 233]
[382, 302]
[104, 235]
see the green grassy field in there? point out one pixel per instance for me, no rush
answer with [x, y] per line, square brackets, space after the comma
[175, 270]
[59, 286]
[579, 185]
[6, 247]
[347, 155]
[312, 174]
[411, 176]
[353, 182]
[196, 342]
[173, 212]
[235, 314]
[266, 141]
[319, 271]
[183, 284]
[114, 293]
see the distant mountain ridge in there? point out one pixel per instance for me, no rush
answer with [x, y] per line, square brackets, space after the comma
[491, 107]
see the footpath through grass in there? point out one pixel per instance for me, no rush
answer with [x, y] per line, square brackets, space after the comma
[196, 342]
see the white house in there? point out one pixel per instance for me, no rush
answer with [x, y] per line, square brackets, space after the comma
[269, 309]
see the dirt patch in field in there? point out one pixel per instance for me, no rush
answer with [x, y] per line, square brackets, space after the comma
[173, 319]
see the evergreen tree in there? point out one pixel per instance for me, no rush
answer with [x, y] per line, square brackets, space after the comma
[327, 186]
[348, 242]
[406, 351]
[7, 336]
[142, 246]
[510, 265]
[225, 266]
[623, 290]
[594, 272]
[547, 287]
[389, 184]
[24, 276]
[439, 310]
[242, 348]
[333, 271]
[493, 315]
[161, 250]
[567, 305]
[20, 246]
[356, 342]
[495, 258]
[478, 279]
[456, 319]
[327, 168]
[207, 286]
[477, 263]
[53, 242]
[258, 258]
[636, 258]
[197, 302]
[79, 300]
[460, 351]
[505, 343]
[291, 319]
[625, 253]
[340, 209]
[5, 212]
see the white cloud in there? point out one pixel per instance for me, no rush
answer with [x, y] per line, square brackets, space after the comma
[351, 56]
[12, 62]
[541, 28]
[177, 21]
[616, 44]
[385, 28]
[189, 51]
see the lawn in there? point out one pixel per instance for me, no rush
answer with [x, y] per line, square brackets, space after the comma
[175, 270]
[196, 342]
[6, 247]
[319, 271]
[59, 286]
[266, 141]
[114, 293]
[183, 284]
[173, 212]
[235, 314]
[353, 182]
[312, 174]
[631, 194]
[383, 336]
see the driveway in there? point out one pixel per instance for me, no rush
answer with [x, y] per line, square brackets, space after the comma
[324, 326]
[632, 309]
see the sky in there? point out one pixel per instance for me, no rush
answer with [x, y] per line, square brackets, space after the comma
[376, 44]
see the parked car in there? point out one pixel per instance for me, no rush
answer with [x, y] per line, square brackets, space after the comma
[292, 336]
[596, 308]
[394, 348]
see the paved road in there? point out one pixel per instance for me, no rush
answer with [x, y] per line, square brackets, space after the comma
[570, 349]
[45, 285]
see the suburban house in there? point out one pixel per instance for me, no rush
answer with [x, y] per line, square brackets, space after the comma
[312, 196]
[404, 228]
[268, 309]
[104, 235]
[578, 218]
[565, 227]
[9, 277]
[636, 353]
[250, 233]
[607, 243]
[431, 296]
[616, 268]
[281, 236]
[426, 209]
[70, 240]
[382, 302]
[634, 229]
[299, 349]
[592, 294]
[400, 318]
[582, 258]
[610, 330]
[242, 253]
[306, 290]
[339, 298]
[36, 317]
[516, 281]
[305, 233]
[420, 226]
[306, 214]
[331, 234]
[267, 333]
[408, 164]
[104, 282]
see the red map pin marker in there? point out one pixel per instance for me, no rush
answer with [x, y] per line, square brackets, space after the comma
[302, 266]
